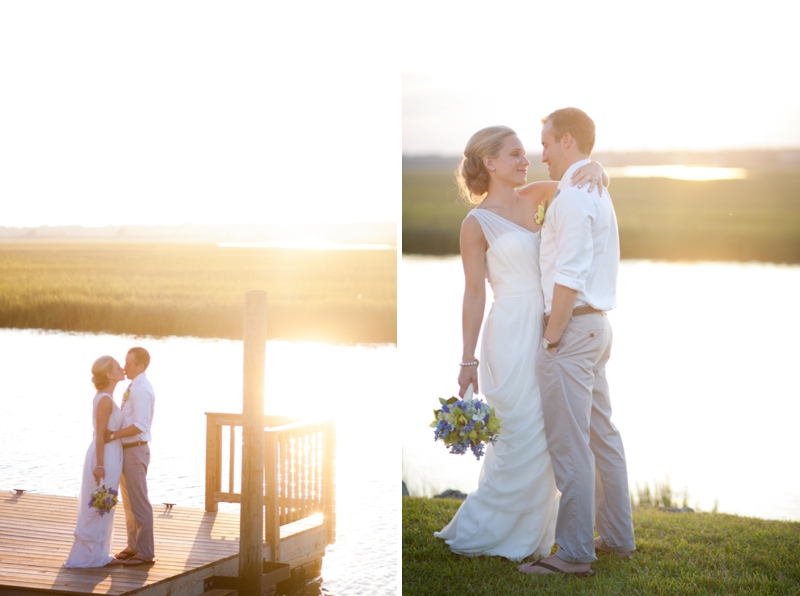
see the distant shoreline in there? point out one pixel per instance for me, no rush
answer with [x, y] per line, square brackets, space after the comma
[745, 218]
[380, 232]
[741, 158]
[198, 290]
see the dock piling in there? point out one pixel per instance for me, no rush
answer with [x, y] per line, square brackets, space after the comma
[252, 509]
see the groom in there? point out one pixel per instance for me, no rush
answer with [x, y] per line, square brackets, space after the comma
[579, 259]
[138, 402]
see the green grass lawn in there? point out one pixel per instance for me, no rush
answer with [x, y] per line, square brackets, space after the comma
[198, 290]
[754, 219]
[679, 554]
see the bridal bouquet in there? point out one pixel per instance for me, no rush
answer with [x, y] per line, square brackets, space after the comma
[465, 424]
[103, 499]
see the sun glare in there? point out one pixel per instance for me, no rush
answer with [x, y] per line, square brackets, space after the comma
[678, 172]
[306, 245]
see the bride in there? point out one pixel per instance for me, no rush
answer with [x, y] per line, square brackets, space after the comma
[103, 464]
[513, 512]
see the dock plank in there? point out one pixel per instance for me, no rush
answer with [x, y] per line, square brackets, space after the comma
[36, 536]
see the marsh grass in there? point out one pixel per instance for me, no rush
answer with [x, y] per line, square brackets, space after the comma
[661, 495]
[198, 290]
[678, 554]
[754, 219]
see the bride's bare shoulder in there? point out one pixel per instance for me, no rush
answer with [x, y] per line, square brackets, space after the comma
[538, 192]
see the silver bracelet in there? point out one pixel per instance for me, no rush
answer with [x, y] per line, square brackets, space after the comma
[475, 362]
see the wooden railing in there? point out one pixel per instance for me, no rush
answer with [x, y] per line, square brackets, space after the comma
[298, 471]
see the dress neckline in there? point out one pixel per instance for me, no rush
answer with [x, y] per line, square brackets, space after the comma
[505, 219]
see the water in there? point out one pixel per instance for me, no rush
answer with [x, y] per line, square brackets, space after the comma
[45, 427]
[702, 375]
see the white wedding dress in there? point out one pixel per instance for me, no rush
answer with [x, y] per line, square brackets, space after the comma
[93, 533]
[513, 512]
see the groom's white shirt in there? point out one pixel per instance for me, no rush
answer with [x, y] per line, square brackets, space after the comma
[138, 409]
[580, 245]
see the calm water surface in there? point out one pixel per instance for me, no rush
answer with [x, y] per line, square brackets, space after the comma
[703, 380]
[45, 427]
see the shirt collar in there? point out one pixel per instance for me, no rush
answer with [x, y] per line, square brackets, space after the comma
[565, 179]
[138, 380]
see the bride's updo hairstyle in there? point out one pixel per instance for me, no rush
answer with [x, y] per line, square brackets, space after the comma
[471, 175]
[101, 372]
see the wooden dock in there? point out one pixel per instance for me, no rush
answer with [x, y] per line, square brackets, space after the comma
[287, 506]
[191, 546]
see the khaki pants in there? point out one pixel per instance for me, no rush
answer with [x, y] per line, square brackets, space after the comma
[585, 446]
[138, 510]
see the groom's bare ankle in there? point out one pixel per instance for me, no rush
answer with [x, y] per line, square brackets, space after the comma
[601, 546]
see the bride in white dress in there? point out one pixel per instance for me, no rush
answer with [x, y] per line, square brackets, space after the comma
[513, 512]
[103, 465]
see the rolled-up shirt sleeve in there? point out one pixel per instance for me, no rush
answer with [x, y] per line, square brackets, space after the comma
[143, 410]
[574, 241]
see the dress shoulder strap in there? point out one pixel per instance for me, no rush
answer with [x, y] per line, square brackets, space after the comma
[494, 225]
[99, 396]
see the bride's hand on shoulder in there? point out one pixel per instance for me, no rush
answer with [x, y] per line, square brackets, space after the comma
[592, 174]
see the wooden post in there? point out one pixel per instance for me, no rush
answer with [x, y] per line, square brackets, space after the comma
[213, 460]
[272, 525]
[329, 490]
[251, 529]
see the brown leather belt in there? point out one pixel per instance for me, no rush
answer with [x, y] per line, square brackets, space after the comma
[581, 310]
[136, 444]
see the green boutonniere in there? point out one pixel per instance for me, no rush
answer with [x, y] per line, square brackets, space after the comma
[539, 217]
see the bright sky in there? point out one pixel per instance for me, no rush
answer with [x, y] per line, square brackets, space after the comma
[683, 75]
[165, 112]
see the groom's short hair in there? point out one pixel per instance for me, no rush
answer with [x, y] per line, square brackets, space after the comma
[140, 356]
[577, 123]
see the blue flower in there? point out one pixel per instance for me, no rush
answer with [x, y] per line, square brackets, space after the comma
[465, 425]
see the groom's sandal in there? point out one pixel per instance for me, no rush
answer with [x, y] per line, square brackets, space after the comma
[134, 561]
[125, 554]
[552, 569]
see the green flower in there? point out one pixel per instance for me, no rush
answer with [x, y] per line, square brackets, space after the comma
[539, 217]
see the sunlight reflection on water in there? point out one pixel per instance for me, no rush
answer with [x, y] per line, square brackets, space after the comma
[702, 379]
[678, 172]
[47, 393]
